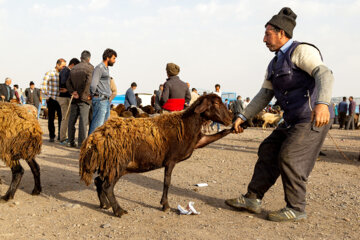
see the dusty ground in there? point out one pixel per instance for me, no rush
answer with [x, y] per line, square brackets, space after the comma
[67, 209]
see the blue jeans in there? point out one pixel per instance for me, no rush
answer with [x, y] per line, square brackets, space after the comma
[39, 110]
[101, 112]
[217, 125]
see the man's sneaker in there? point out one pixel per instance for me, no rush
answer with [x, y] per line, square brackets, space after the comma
[51, 140]
[243, 203]
[73, 145]
[286, 215]
[64, 143]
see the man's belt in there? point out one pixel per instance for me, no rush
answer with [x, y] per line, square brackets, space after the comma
[101, 96]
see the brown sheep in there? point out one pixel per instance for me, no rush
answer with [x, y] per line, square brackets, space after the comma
[20, 138]
[113, 114]
[131, 112]
[124, 146]
[126, 114]
[119, 109]
[138, 112]
[30, 109]
[148, 109]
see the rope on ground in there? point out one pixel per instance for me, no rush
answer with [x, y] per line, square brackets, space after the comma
[343, 154]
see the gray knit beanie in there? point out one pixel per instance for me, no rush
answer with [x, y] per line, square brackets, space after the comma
[284, 20]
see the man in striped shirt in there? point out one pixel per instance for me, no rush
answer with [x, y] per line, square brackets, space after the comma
[50, 89]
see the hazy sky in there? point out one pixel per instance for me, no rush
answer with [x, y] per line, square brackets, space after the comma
[212, 41]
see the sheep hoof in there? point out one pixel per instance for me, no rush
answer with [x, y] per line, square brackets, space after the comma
[166, 208]
[120, 212]
[4, 199]
[104, 206]
[35, 192]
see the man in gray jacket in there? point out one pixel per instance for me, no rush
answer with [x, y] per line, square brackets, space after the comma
[100, 90]
[302, 85]
[176, 93]
[33, 95]
[130, 99]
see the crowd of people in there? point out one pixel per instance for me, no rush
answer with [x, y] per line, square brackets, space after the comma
[296, 77]
[80, 91]
[346, 113]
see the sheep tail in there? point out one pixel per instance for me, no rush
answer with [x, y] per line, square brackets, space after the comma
[88, 162]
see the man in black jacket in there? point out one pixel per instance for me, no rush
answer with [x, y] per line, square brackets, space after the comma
[64, 99]
[78, 85]
[6, 93]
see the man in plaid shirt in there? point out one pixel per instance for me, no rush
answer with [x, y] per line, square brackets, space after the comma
[50, 89]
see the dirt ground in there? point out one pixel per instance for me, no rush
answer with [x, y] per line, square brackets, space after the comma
[67, 209]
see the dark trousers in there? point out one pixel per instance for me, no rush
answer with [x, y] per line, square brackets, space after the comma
[342, 119]
[76, 110]
[350, 123]
[290, 153]
[53, 107]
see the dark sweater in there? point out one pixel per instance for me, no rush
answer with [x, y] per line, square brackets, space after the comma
[63, 77]
[175, 94]
[6, 91]
[80, 80]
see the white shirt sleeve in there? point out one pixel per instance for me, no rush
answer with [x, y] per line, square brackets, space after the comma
[307, 58]
[267, 84]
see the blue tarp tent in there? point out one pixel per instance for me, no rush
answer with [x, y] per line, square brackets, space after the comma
[119, 99]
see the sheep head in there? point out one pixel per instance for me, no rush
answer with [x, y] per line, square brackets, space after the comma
[212, 108]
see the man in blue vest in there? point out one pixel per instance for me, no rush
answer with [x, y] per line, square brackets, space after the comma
[302, 85]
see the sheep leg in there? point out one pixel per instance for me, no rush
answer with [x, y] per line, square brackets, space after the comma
[104, 202]
[207, 139]
[167, 180]
[35, 169]
[17, 172]
[108, 188]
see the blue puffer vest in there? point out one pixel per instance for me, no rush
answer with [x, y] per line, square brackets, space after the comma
[294, 88]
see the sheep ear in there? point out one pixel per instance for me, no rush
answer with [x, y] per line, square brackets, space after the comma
[202, 106]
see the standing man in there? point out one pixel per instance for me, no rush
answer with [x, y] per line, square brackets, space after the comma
[352, 107]
[176, 93]
[78, 85]
[247, 101]
[6, 94]
[100, 90]
[130, 99]
[138, 100]
[50, 89]
[217, 92]
[194, 96]
[33, 96]
[302, 84]
[158, 94]
[64, 99]
[17, 94]
[113, 89]
[226, 103]
[237, 107]
[342, 109]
